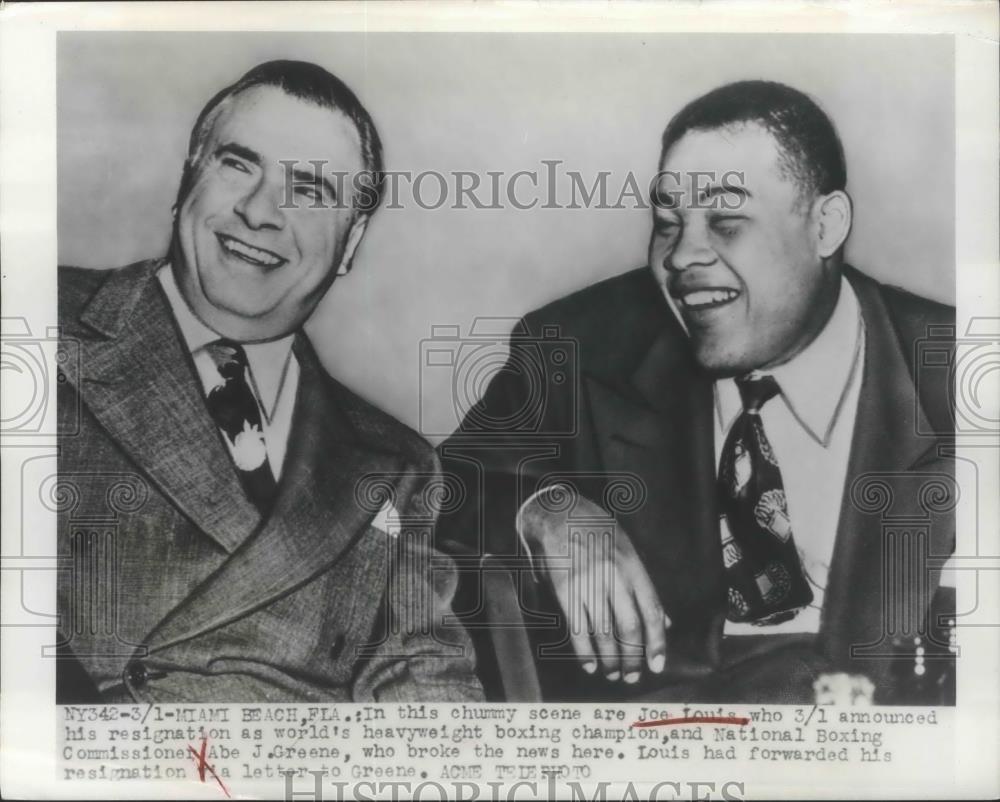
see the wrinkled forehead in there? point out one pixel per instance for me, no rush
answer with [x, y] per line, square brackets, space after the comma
[279, 126]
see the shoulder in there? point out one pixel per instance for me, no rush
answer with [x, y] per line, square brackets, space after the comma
[611, 322]
[117, 289]
[634, 292]
[920, 326]
[910, 310]
[371, 425]
[381, 429]
[76, 286]
[912, 316]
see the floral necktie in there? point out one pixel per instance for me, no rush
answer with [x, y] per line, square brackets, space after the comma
[234, 408]
[766, 582]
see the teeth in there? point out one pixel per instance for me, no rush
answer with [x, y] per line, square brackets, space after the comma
[250, 253]
[707, 297]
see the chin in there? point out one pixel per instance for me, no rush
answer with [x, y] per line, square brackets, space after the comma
[723, 370]
[719, 361]
[236, 298]
[244, 311]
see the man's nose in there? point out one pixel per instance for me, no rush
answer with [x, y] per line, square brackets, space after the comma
[260, 207]
[691, 249]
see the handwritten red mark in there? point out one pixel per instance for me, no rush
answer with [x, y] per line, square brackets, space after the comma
[739, 721]
[204, 766]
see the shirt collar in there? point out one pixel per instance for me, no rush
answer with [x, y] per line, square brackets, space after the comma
[813, 383]
[267, 361]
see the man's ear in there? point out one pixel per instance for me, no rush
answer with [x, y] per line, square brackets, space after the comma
[833, 215]
[353, 240]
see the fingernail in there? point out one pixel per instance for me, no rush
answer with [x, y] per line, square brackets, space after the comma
[657, 663]
[666, 621]
[590, 667]
[614, 675]
[632, 677]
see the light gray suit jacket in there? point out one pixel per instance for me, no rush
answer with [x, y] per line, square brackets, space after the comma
[179, 590]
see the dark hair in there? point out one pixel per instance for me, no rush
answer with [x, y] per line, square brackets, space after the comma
[811, 151]
[310, 83]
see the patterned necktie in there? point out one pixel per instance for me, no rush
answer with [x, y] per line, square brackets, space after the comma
[766, 581]
[234, 408]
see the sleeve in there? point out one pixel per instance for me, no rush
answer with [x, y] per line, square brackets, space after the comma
[521, 436]
[424, 654]
[546, 490]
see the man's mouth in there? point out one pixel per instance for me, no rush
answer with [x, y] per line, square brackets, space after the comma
[259, 257]
[706, 298]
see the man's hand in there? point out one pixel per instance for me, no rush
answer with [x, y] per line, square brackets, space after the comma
[612, 610]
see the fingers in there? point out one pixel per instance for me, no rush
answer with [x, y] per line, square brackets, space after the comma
[593, 572]
[603, 632]
[654, 621]
[591, 620]
[582, 599]
[615, 621]
[617, 626]
[577, 620]
[629, 626]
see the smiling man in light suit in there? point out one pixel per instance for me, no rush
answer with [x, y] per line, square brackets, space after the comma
[252, 564]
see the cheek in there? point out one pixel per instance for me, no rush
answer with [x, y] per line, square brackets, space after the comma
[200, 206]
[765, 265]
[781, 295]
[316, 240]
[659, 249]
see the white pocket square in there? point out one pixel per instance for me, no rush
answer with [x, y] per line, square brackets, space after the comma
[387, 520]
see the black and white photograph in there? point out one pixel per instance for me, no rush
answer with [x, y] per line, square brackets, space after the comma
[628, 443]
[546, 387]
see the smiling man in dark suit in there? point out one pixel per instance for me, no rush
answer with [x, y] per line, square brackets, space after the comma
[275, 541]
[752, 391]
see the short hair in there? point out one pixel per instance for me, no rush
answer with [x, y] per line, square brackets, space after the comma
[308, 82]
[811, 152]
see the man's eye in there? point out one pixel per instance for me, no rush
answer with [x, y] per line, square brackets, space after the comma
[726, 226]
[309, 191]
[667, 228]
[236, 164]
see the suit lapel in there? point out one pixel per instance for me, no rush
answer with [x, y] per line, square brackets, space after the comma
[658, 426]
[138, 380]
[885, 441]
[315, 517]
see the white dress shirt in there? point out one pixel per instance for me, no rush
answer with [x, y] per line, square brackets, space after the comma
[810, 426]
[272, 368]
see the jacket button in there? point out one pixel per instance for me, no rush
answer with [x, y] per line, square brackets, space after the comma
[137, 674]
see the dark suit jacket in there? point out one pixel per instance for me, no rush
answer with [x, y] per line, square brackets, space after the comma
[625, 416]
[179, 590]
